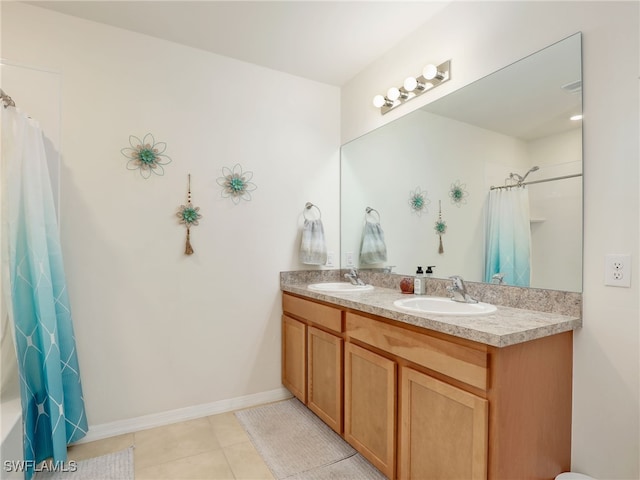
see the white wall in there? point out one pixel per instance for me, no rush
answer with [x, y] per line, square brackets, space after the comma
[481, 37]
[157, 330]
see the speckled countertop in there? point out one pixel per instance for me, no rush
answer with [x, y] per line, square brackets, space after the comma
[507, 326]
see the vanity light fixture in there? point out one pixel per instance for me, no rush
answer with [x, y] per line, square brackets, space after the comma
[431, 77]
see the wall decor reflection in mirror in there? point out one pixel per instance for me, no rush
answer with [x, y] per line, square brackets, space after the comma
[485, 134]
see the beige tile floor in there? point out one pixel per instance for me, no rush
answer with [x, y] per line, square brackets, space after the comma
[215, 447]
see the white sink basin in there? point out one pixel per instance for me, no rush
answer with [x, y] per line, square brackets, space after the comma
[339, 287]
[444, 306]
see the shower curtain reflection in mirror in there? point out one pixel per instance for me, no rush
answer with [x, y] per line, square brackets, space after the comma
[508, 242]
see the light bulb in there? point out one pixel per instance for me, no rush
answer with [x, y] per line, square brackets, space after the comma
[410, 84]
[379, 101]
[431, 71]
[393, 94]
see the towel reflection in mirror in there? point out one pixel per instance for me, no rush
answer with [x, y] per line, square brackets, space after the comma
[373, 248]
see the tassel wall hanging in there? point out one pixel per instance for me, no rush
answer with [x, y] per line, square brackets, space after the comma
[441, 227]
[189, 216]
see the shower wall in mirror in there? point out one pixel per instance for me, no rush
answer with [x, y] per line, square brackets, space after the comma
[453, 151]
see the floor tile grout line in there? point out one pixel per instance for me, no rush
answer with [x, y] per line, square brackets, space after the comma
[133, 440]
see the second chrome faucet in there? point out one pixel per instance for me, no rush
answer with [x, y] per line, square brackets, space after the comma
[458, 290]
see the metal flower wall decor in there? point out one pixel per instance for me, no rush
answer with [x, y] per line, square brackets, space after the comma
[458, 194]
[146, 155]
[418, 201]
[236, 184]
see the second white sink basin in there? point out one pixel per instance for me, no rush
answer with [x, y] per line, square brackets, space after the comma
[444, 306]
[338, 287]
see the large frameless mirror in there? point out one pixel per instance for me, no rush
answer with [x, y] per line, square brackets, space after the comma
[425, 180]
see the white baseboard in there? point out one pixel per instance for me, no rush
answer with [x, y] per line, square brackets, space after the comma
[120, 427]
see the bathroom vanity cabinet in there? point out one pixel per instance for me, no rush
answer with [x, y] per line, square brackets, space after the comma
[312, 356]
[421, 404]
[441, 427]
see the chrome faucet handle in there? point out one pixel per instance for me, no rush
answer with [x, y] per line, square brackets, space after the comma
[353, 277]
[458, 282]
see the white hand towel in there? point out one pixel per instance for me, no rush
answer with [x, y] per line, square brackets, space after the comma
[372, 248]
[313, 249]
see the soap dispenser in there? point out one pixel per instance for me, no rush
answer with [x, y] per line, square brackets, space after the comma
[419, 283]
[429, 272]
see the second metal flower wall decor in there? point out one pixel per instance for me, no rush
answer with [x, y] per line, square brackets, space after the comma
[189, 215]
[236, 184]
[458, 194]
[146, 155]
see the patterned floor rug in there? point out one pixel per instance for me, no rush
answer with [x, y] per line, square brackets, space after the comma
[114, 466]
[295, 444]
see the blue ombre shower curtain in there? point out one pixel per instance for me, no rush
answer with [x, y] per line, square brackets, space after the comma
[53, 411]
[508, 241]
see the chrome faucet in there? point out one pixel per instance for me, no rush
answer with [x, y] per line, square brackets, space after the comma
[458, 290]
[498, 278]
[353, 277]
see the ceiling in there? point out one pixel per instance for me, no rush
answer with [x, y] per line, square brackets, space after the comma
[326, 41]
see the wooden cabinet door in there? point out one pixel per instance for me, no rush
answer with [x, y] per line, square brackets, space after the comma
[294, 357]
[324, 370]
[370, 406]
[443, 430]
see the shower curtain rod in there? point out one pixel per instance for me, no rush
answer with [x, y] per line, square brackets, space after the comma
[537, 181]
[6, 99]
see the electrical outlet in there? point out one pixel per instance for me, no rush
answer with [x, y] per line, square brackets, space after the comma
[349, 258]
[330, 257]
[617, 270]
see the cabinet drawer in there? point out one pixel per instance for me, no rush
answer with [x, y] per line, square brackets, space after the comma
[456, 361]
[328, 317]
